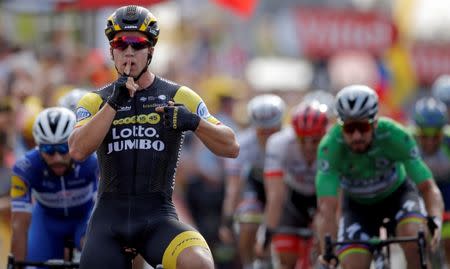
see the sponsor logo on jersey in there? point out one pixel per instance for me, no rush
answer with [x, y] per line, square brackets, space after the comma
[202, 110]
[23, 164]
[82, 113]
[162, 97]
[136, 137]
[143, 99]
[414, 152]
[153, 105]
[381, 163]
[70, 198]
[323, 165]
[124, 108]
[18, 187]
[152, 118]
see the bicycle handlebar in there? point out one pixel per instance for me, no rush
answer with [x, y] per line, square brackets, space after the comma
[329, 255]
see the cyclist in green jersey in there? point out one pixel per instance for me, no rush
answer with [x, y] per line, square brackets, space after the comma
[137, 126]
[371, 160]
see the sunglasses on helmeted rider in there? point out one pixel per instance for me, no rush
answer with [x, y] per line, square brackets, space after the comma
[360, 126]
[136, 42]
[51, 149]
[429, 131]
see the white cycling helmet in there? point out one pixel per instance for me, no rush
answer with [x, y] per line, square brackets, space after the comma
[70, 99]
[266, 111]
[441, 89]
[356, 102]
[323, 97]
[53, 125]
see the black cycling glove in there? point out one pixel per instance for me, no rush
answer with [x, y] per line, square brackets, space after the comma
[178, 117]
[120, 95]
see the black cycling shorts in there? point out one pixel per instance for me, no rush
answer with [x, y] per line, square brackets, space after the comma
[361, 222]
[148, 224]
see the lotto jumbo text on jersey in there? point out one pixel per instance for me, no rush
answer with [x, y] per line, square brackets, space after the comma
[139, 154]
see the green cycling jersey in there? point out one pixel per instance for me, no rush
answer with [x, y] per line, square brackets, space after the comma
[371, 176]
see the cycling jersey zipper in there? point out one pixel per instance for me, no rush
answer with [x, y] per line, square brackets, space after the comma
[63, 189]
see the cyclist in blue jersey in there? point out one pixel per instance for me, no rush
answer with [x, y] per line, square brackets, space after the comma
[432, 134]
[52, 196]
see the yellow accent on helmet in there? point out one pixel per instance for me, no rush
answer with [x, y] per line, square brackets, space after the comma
[132, 18]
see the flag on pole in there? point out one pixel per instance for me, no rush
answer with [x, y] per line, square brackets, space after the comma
[243, 8]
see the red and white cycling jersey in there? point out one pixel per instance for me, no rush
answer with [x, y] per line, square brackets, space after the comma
[251, 156]
[284, 158]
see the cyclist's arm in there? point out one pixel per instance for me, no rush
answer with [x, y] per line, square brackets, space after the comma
[420, 174]
[21, 207]
[327, 186]
[92, 126]
[327, 207]
[233, 188]
[275, 192]
[432, 198]
[20, 222]
[218, 138]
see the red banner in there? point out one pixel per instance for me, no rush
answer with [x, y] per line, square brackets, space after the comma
[430, 61]
[323, 32]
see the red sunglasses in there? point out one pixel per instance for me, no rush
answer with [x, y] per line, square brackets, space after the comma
[135, 42]
[361, 126]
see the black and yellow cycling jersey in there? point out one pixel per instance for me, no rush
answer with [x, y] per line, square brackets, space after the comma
[139, 155]
[137, 159]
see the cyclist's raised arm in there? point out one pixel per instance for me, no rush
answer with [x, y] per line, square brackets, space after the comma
[92, 125]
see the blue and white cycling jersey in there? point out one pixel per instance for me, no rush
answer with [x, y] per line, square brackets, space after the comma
[71, 195]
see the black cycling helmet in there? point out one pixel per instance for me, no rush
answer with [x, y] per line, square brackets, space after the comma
[132, 18]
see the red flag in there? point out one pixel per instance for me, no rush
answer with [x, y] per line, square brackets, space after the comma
[243, 8]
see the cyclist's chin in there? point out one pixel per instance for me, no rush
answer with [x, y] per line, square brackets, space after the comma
[359, 148]
[59, 169]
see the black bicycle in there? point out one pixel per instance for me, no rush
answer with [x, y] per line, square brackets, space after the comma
[379, 248]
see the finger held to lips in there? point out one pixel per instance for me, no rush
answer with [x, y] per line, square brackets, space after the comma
[127, 69]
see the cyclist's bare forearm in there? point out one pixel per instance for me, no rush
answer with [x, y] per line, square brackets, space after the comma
[232, 195]
[219, 139]
[326, 218]
[432, 198]
[20, 223]
[275, 189]
[85, 139]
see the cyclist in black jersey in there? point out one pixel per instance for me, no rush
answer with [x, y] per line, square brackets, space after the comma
[136, 124]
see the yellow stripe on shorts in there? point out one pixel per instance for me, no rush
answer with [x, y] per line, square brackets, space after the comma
[180, 243]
